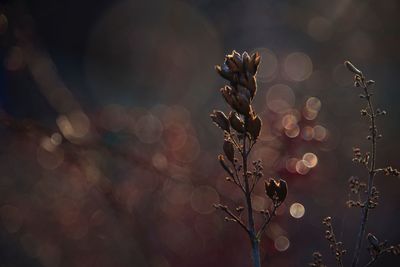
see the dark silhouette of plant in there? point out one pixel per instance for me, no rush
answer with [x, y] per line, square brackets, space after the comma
[365, 192]
[241, 129]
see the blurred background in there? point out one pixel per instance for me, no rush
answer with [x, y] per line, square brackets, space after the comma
[108, 154]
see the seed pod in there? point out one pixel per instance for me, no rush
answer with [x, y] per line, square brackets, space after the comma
[373, 240]
[282, 190]
[370, 82]
[246, 61]
[230, 63]
[229, 150]
[352, 68]
[257, 60]
[224, 166]
[254, 127]
[252, 86]
[236, 123]
[224, 72]
[227, 94]
[219, 118]
[242, 104]
[270, 188]
[238, 60]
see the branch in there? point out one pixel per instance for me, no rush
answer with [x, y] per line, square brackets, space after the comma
[266, 222]
[233, 217]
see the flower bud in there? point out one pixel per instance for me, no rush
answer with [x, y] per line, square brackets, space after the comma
[219, 118]
[229, 150]
[352, 68]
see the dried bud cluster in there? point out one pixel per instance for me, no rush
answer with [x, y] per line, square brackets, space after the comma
[257, 171]
[355, 185]
[276, 190]
[336, 247]
[390, 171]
[359, 157]
[240, 71]
[374, 197]
[317, 260]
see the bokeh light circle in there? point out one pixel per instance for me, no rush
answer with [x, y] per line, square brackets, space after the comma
[280, 98]
[148, 129]
[310, 160]
[301, 167]
[281, 243]
[203, 198]
[298, 66]
[297, 210]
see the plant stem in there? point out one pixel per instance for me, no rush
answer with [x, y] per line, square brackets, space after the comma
[255, 246]
[371, 171]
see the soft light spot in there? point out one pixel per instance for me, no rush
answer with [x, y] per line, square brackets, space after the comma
[298, 66]
[309, 114]
[310, 160]
[281, 243]
[159, 161]
[307, 133]
[294, 132]
[56, 139]
[302, 168]
[313, 103]
[148, 129]
[280, 98]
[291, 165]
[49, 157]
[319, 133]
[203, 198]
[289, 121]
[297, 210]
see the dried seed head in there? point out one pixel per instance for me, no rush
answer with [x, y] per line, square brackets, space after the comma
[229, 150]
[276, 190]
[236, 122]
[221, 160]
[254, 127]
[219, 118]
[373, 240]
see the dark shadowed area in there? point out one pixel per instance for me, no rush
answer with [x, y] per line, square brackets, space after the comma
[108, 155]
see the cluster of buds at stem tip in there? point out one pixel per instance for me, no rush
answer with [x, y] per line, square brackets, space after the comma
[240, 71]
[359, 79]
[276, 190]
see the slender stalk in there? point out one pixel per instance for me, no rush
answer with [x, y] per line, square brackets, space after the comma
[266, 222]
[371, 171]
[255, 246]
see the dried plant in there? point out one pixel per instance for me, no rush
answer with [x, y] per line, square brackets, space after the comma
[241, 128]
[364, 190]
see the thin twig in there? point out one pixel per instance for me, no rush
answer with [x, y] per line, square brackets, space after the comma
[266, 222]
